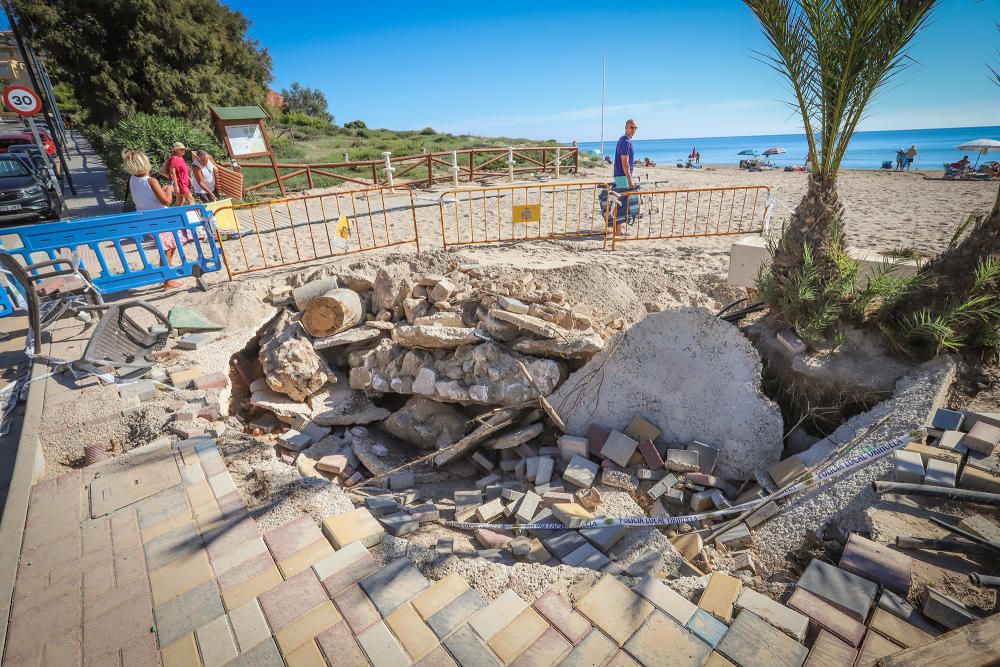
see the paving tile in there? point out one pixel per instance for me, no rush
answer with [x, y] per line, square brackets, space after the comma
[96, 605]
[708, 628]
[162, 528]
[720, 595]
[41, 623]
[252, 587]
[875, 646]
[182, 652]
[441, 592]
[381, 647]
[291, 599]
[67, 587]
[140, 652]
[666, 599]
[716, 659]
[594, 649]
[161, 507]
[307, 626]
[345, 567]
[899, 631]
[469, 650]
[307, 655]
[778, 615]
[488, 621]
[393, 585]
[356, 609]
[622, 659]
[615, 609]
[249, 625]
[439, 657]
[245, 570]
[306, 558]
[265, 654]
[586, 556]
[559, 613]
[522, 631]
[222, 563]
[217, 643]
[119, 627]
[416, 638]
[850, 592]
[662, 636]
[182, 541]
[284, 541]
[877, 562]
[753, 642]
[58, 650]
[546, 651]
[827, 617]
[456, 612]
[357, 525]
[179, 576]
[828, 651]
[232, 531]
[339, 646]
[188, 612]
[899, 607]
[563, 543]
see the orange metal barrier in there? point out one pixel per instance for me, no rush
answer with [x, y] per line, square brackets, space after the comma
[671, 214]
[282, 232]
[521, 212]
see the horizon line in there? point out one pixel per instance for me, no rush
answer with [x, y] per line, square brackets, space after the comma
[797, 134]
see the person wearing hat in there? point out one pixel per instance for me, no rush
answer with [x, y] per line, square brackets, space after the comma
[180, 174]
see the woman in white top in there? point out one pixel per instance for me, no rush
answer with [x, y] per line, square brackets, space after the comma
[148, 194]
[204, 176]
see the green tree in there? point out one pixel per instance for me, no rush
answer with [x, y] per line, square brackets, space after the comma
[836, 55]
[165, 57]
[308, 101]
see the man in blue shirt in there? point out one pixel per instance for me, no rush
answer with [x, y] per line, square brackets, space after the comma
[625, 156]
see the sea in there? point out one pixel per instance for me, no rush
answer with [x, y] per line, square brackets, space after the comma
[867, 150]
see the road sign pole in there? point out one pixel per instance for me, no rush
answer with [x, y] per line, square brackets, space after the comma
[48, 163]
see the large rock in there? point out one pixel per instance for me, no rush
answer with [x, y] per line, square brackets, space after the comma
[485, 374]
[529, 323]
[692, 375]
[340, 405]
[283, 407]
[575, 346]
[290, 364]
[431, 337]
[427, 424]
[392, 287]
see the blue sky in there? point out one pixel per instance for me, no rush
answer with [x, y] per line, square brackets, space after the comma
[682, 69]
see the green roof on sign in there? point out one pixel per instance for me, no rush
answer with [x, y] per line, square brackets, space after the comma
[239, 113]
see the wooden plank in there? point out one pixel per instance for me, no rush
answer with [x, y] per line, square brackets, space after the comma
[973, 644]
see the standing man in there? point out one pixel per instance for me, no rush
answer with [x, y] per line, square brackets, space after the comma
[625, 157]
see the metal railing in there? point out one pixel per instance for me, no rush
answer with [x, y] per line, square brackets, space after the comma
[427, 168]
[281, 232]
[521, 212]
[644, 215]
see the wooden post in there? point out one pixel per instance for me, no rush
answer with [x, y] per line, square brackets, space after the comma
[309, 177]
[430, 171]
[374, 174]
[576, 160]
[335, 311]
[472, 163]
[545, 163]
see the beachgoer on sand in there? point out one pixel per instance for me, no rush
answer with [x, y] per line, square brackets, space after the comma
[624, 163]
[203, 166]
[961, 164]
[148, 194]
[180, 175]
[900, 159]
[911, 155]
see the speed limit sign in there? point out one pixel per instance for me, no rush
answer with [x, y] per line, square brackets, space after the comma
[21, 100]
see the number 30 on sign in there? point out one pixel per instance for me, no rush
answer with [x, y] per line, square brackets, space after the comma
[21, 100]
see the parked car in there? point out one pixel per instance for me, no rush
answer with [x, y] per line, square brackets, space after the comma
[31, 155]
[8, 140]
[23, 195]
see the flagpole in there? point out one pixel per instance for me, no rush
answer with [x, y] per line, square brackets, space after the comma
[604, 65]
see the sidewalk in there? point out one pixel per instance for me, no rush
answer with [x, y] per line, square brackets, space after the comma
[94, 196]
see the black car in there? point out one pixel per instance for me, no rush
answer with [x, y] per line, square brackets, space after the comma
[22, 195]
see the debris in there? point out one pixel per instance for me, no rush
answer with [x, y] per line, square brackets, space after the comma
[186, 318]
[290, 364]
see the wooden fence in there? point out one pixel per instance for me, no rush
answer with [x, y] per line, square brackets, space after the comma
[427, 168]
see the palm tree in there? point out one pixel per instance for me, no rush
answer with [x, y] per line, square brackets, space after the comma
[836, 56]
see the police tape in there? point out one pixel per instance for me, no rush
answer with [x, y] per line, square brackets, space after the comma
[866, 455]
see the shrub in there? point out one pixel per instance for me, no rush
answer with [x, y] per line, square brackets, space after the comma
[428, 131]
[356, 125]
[153, 135]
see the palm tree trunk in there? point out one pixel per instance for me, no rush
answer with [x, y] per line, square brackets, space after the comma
[813, 224]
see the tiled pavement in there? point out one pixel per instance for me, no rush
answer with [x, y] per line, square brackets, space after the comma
[184, 577]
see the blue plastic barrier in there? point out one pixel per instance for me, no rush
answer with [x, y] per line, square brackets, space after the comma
[125, 250]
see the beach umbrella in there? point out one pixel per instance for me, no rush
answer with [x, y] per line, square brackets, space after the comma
[981, 145]
[748, 152]
[774, 151]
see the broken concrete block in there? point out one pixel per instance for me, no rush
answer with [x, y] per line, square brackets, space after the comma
[703, 500]
[681, 460]
[619, 479]
[688, 544]
[482, 461]
[941, 473]
[640, 429]
[581, 472]
[571, 515]
[604, 537]
[951, 441]
[490, 510]
[182, 378]
[333, 463]
[445, 546]
[487, 481]
[707, 456]
[982, 438]
[193, 341]
[619, 448]
[909, 467]
[381, 505]
[295, 441]
[947, 420]
[144, 390]
[527, 507]
[786, 470]
[980, 525]
[744, 560]
[661, 487]
[737, 537]
[588, 498]
[650, 454]
[946, 610]
[399, 524]
[543, 473]
[570, 446]
[767, 511]
[512, 305]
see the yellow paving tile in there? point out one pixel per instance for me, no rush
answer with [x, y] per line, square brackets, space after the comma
[182, 653]
[207, 514]
[428, 601]
[306, 558]
[179, 576]
[412, 633]
[307, 655]
[251, 588]
[164, 527]
[512, 640]
[200, 493]
[307, 626]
